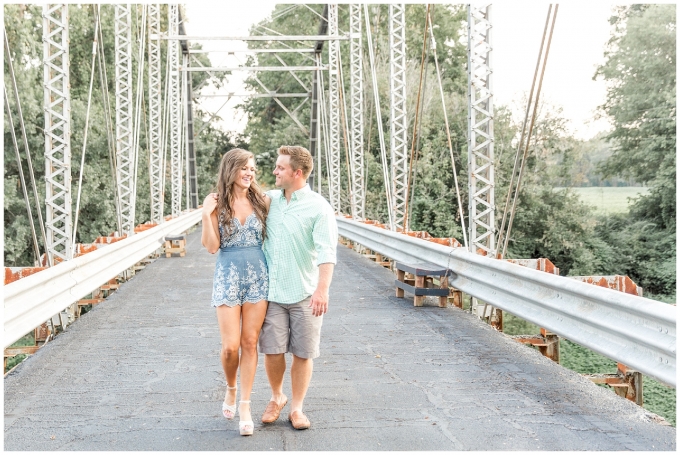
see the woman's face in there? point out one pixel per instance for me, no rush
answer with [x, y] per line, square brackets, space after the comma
[246, 175]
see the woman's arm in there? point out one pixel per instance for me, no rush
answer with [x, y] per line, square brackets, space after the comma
[210, 237]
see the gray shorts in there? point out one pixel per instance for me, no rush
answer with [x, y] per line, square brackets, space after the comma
[291, 328]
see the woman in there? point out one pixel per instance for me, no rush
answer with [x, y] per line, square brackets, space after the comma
[234, 221]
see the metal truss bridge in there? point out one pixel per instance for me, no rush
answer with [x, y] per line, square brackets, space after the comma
[139, 371]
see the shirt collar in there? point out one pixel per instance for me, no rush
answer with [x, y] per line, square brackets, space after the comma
[297, 194]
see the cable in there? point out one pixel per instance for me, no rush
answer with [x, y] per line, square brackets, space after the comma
[25, 140]
[106, 102]
[448, 134]
[36, 250]
[415, 121]
[381, 134]
[87, 123]
[531, 127]
[345, 127]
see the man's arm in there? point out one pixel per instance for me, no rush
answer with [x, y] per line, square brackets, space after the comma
[319, 302]
[325, 236]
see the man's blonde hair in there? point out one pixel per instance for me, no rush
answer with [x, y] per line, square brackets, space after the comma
[300, 158]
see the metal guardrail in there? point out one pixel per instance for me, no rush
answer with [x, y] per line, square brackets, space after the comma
[632, 330]
[33, 299]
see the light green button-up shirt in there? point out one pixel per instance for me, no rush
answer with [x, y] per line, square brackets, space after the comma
[301, 234]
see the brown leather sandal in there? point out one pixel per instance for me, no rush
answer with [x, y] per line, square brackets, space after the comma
[299, 420]
[273, 410]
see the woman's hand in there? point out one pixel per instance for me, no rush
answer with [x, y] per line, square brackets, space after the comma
[209, 204]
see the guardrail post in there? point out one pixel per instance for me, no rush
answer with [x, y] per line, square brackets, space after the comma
[626, 382]
[552, 345]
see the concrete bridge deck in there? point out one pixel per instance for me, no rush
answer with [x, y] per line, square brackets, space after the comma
[141, 372]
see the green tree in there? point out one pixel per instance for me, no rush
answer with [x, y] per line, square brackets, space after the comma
[640, 70]
[641, 76]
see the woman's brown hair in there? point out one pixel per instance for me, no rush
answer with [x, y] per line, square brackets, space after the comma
[231, 164]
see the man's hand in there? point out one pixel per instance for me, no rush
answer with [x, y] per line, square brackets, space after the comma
[319, 302]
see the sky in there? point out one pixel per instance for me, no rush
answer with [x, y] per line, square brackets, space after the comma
[581, 32]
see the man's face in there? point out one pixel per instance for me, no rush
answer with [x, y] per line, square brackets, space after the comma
[285, 176]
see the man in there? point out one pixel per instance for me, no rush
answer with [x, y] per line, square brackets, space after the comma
[301, 253]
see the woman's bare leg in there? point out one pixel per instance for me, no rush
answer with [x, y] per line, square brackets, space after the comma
[229, 321]
[251, 323]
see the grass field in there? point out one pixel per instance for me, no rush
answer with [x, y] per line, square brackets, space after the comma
[608, 199]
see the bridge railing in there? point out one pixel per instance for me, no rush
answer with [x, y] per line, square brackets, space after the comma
[632, 330]
[33, 299]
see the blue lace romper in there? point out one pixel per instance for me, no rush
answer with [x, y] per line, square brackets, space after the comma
[241, 273]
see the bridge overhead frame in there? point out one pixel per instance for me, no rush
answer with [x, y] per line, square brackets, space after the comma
[57, 104]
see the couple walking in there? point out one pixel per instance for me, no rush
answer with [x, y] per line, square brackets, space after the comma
[277, 251]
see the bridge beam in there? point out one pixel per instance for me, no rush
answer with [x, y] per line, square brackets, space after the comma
[314, 121]
[480, 132]
[175, 122]
[156, 165]
[398, 118]
[334, 110]
[58, 221]
[356, 112]
[125, 165]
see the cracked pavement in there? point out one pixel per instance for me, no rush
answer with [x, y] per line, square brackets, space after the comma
[141, 371]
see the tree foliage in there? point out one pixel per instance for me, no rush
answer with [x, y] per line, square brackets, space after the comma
[640, 70]
[641, 77]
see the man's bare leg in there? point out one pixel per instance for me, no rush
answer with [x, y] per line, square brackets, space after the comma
[300, 375]
[275, 366]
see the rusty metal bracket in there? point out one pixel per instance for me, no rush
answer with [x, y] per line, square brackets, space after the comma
[626, 382]
[548, 343]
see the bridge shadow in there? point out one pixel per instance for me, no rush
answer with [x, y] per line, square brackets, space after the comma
[141, 372]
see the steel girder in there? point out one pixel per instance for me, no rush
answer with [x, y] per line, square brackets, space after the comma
[175, 107]
[58, 221]
[156, 164]
[480, 131]
[125, 162]
[334, 109]
[398, 118]
[356, 111]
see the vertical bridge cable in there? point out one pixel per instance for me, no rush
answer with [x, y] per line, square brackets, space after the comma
[87, 124]
[25, 141]
[398, 115]
[325, 135]
[36, 250]
[101, 60]
[415, 121]
[346, 140]
[515, 193]
[381, 134]
[58, 222]
[138, 108]
[448, 134]
[480, 131]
